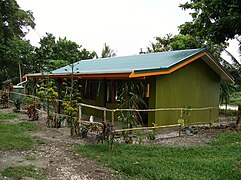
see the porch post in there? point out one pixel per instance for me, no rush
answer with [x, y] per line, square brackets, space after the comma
[104, 113]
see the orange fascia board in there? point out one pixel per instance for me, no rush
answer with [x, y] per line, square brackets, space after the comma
[86, 76]
[133, 75]
[220, 68]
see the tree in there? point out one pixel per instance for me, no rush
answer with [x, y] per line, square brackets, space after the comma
[67, 50]
[47, 47]
[107, 51]
[14, 23]
[180, 41]
[21, 53]
[216, 20]
[62, 49]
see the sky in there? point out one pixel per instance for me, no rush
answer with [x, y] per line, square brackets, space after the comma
[125, 25]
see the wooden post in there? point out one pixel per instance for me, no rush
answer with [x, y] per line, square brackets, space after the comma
[180, 130]
[112, 119]
[105, 116]
[59, 96]
[112, 128]
[80, 114]
[210, 117]
[238, 114]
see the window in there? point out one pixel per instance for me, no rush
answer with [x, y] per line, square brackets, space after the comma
[90, 89]
[111, 92]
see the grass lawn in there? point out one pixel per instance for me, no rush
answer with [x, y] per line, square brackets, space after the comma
[4, 116]
[22, 171]
[220, 160]
[13, 135]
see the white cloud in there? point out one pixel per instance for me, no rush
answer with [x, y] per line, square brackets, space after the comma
[126, 25]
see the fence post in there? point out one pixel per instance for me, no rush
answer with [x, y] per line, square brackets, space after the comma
[112, 119]
[80, 113]
[105, 116]
[210, 117]
[180, 130]
[112, 128]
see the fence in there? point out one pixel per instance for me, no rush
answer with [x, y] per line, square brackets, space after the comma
[113, 111]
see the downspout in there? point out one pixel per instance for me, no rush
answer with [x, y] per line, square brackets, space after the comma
[23, 82]
[26, 79]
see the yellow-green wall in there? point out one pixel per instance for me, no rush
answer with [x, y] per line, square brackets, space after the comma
[195, 85]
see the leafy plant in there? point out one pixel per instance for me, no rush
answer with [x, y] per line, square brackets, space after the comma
[131, 93]
[32, 112]
[17, 104]
[49, 96]
[151, 136]
[71, 97]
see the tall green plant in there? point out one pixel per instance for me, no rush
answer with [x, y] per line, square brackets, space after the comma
[49, 96]
[130, 94]
[71, 92]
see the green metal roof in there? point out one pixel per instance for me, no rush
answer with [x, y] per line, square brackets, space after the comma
[127, 64]
[138, 65]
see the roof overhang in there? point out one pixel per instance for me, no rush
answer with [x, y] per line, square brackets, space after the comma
[84, 76]
[207, 57]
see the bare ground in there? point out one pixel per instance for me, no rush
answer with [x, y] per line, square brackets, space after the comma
[56, 159]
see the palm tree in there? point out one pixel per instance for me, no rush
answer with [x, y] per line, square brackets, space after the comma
[107, 51]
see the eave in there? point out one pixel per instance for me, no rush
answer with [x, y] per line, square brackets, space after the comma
[208, 58]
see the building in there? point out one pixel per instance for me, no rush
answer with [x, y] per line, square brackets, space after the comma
[184, 78]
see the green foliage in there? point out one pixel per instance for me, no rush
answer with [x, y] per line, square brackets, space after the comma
[217, 20]
[62, 49]
[28, 100]
[72, 96]
[8, 116]
[14, 24]
[107, 52]
[55, 64]
[20, 53]
[151, 136]
[17, 103]
[49, 96]
[221, 160]
[228, 112]
[132, 94]
[22, 171]
[235, 98]
[12, 136]
[180, 42]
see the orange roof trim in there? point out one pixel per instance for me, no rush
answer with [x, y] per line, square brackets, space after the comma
[134, 75]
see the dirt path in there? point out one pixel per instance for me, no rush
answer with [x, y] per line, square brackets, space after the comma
[55, 158]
